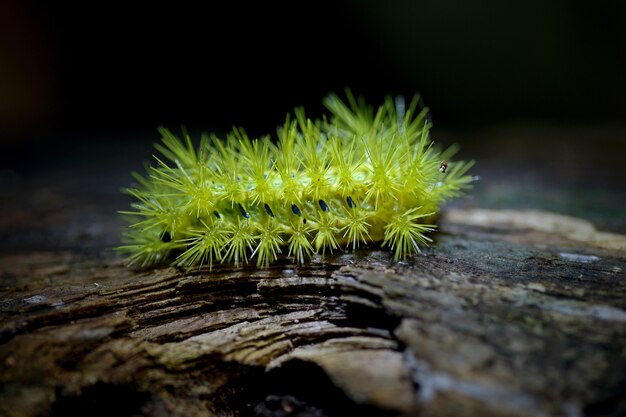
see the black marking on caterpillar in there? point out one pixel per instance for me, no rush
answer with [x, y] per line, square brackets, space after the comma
[243, 212]
[268, 210]
[324, 206]
[350, 202]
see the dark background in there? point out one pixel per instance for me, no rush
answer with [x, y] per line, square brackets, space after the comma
[119, 68]
[534, 90]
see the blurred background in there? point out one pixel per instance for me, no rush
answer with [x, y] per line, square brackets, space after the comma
[534, 90]
[113, 66]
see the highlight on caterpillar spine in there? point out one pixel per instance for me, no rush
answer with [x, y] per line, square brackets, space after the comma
[352, 178]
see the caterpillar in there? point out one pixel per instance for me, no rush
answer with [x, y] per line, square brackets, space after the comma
[352, 178]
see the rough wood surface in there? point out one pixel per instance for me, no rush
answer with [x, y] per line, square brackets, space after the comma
[511, 312]
[535, 327]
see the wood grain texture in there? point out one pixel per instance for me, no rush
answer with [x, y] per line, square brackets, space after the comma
[513, 311]
[525, 329]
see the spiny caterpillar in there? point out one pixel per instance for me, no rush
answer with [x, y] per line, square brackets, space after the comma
[355, 177]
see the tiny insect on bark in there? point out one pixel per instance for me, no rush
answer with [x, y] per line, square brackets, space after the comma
[443, 166]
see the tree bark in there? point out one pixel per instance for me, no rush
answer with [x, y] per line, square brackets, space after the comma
[513, 310]
[509, 313]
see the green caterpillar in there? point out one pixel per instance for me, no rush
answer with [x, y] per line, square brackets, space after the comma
[356, 177]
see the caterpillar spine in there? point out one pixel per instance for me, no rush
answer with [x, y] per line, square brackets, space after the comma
[353, 178]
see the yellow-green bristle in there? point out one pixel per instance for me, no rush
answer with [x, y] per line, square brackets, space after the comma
[348, 180]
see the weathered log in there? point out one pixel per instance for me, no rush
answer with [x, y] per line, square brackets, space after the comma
[509, 313]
